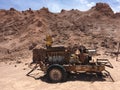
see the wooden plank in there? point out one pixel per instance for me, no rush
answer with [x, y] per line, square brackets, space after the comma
[85, 68]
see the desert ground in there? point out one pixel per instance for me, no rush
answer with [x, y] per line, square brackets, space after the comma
[13, 77]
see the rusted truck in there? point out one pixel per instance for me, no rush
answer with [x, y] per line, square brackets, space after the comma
[57, 62]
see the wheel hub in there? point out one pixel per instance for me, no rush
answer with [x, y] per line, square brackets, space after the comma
[55, 74]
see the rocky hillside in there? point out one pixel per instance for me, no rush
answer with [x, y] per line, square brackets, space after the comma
[20, 32]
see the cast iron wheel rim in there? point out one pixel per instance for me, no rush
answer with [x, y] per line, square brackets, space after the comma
[55, 75]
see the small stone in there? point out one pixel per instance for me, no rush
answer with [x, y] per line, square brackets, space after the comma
[24, 68]
[18, 62]
[10, 63]
[26, 63]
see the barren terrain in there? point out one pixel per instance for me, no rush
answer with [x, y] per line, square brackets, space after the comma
[22, 31]
[13, 77]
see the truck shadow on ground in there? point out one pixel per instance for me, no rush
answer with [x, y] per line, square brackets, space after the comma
[79, 77]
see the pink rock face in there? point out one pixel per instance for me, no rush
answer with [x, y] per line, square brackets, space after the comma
[18, 30]
[104, 8]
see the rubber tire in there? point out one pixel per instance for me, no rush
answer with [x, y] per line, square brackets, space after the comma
[63, 73]
[99, 74]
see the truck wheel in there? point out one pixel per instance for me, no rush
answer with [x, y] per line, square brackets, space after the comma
[99, 74]
[56, 74]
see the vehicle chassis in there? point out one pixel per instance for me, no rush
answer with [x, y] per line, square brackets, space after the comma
[58, 72]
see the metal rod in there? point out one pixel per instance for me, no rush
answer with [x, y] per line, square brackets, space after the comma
[118, 51]
[110, 76]
[32, 70]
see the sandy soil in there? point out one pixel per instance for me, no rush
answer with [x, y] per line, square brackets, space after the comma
[13, 77]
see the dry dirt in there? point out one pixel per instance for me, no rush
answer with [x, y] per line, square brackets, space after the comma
[22, 31]
[13, 77]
